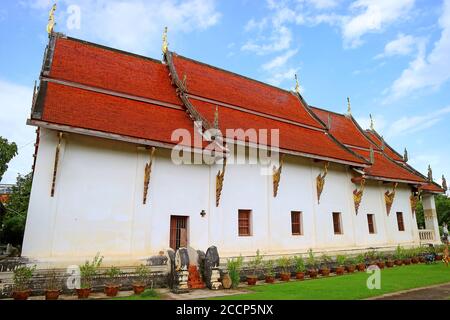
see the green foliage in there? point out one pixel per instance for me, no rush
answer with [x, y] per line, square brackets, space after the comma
[326, 259]
[113, 275]
[442, 209]
[255, 263]
[89, 271]
[13, 223]
[399, 253]
[351, 261]
[234, 267]
[312, 262]
[371, 255]
[149, 293]
[285, 263]
[360, 258]
[143, 274]
[7, 152]
[299, 264]
[269, 266]
[341, 259]
[22, 277]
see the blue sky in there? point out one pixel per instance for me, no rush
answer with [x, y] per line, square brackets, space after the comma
[391, 57]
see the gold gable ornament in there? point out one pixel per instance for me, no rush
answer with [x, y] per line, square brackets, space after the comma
[358, 194]
[165, 44]
[389, 198]
[51, 20]
[277, 176]
[147, 173]
[219, 181]
[320, 181]
[414, 200]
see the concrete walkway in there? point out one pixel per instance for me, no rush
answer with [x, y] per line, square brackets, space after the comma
[437, 292]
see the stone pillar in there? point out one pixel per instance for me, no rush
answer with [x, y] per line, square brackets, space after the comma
[430, 215]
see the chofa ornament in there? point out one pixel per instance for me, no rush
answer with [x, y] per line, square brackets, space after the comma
[389, 197]
[358, 194]
[277, 176]
[320, 180]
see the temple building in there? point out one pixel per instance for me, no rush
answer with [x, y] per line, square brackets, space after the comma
[105, 178]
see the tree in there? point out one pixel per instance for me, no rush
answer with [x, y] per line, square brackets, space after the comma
[13, 224]
[7, 152]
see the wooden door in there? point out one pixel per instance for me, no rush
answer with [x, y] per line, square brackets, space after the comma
[178, 232]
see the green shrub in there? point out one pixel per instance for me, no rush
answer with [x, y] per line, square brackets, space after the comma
[255, 263]
[325, 259]
[399, 253]
[360, 258]
[351, 261]
[112, 275]
[22, 277]
[149, 293]
[340, 260]
[299, 264]
[285, 264]
[269, 266]
[371, 255]
[312, 262]
[52, 281]
[143, 275]
[89, 271]
[234, 267]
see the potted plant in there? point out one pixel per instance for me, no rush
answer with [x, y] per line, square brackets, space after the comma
[415, 253]
[340, 264]
[53, 286]
[324, 267]
[112, 284]
[285, 264]
[406, 257]
[142, 274]
[439, 250]
[361, 262]
[22, 278]
[351, 265]
[380, 258]
[371, 257]
[422, 253]
[300, 268]
[398, 256]
[312, 265]
[254, 266]
[390, 261]
[234, 267]
[269, 271]
[88, 271]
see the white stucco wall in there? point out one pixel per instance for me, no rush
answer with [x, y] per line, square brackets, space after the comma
[98, 205]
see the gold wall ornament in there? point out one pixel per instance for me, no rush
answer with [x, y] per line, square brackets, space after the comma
[297, 85]
[358, 195]
[414, 200]
[55, 165]
[389, 198]
[277, 176]
[147, 173]
[51, 20]
[165, 44]
[320, 181]
[219, 181]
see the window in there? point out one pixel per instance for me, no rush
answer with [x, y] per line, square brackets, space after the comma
[371, 222]
[296, 223]
[337, 223]
[400, 223]
[178, 232]
[244, 223]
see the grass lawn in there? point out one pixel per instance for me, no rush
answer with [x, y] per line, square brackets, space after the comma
[350, 287]
[147, 295]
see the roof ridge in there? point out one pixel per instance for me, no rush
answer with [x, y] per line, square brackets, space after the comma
[381, 138]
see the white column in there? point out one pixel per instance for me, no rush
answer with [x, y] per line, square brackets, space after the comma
[430, 214]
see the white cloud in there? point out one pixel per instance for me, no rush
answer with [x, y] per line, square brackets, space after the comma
[403, 45]
[279, 61]
[136, 25]
[372, 16]
[427, 71]
[15, 110]
[380, 122]
[323, 4]
[279, 40]
[277, 77]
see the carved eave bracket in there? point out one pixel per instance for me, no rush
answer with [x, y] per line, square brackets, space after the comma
[358, 194]
[219, 181]
[389, 197]
[56, 163]
[320, 181]
[147, 173]
[277, 176]
[414, 200]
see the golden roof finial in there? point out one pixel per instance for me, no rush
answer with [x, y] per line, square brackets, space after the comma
[372, 125]
[51, 20]
[165, 45]
[297, 85]
[349, 107]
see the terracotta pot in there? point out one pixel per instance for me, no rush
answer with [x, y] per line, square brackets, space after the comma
[251, 280]
[407, 262]
[83, 293]
[300, 275]
[312, 273]
[138, 288]
[439, 257]
[415, 260]
[340, 270]
[325, 272]
[398, 262]
[390, 264]
[285, 276]
[422, 259]
[351, 268]
[226, 281]
[52, 294]
[381, 264]
[361, 267]
[112, 290]
[21, 295]
[270, 279]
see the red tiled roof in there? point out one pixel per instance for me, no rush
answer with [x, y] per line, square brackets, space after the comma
[432, 187]
[104, 68]
[343, 128]
[229, 88]
[387, 149]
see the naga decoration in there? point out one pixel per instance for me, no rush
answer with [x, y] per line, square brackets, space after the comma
[406, 156]
[349, 107]
[55, 166]
[372, 124]
[444, 183]
[372, 155]
[414, 200]
[51, 20]
[320, 181]
[165, 44]
[297, 85]
[147, 173]
[358, 194]
[430, 174]
[277, 176]
[389, 198]
[219, 181]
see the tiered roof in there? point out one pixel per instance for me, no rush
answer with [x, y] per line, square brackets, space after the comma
[101, 91]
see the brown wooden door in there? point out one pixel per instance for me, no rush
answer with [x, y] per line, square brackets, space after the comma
[178, 232]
